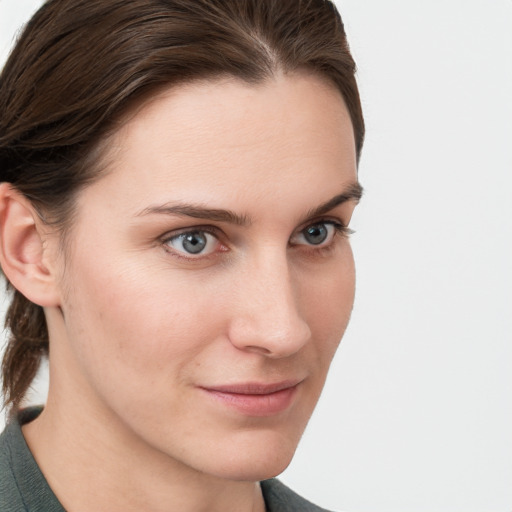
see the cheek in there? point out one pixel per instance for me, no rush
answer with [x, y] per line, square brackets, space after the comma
[134, 327]
[328, 301]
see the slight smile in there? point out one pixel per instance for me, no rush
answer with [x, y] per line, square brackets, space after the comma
[256, 399]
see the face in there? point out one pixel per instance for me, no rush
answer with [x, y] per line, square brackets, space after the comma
[210, 276]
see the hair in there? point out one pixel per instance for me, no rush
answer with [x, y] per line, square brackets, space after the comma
[79, 65]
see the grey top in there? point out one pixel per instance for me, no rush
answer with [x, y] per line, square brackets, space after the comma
[23, 488]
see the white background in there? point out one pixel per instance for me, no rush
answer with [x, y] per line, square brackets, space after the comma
[417, 412]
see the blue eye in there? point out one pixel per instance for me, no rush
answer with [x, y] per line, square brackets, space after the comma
[316, 234]
[193, 243]
[319, 234]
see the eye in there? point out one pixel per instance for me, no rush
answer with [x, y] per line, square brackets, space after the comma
[193, 243]
[319, 234]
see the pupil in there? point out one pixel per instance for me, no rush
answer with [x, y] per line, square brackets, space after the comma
[194, 243]
[316, 234]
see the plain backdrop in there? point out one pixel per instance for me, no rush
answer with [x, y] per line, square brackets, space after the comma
[417, 412]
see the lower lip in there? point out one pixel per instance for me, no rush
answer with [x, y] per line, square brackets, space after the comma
[256, 405]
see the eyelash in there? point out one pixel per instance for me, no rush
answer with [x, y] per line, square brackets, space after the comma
[195, 229]
[340, 230]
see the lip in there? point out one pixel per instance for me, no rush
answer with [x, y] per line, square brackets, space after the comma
[255, 398]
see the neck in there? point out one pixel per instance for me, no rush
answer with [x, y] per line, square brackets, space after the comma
[73, 448]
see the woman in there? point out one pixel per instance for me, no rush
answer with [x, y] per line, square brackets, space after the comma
[178, 180]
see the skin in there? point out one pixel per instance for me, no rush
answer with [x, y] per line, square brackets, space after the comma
[139, 327]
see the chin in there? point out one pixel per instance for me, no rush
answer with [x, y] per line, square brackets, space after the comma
[255, 471]
[265, 457]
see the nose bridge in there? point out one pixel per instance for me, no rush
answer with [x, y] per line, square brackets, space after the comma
[268, 317]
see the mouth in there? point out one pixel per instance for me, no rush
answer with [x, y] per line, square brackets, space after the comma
[254, 398]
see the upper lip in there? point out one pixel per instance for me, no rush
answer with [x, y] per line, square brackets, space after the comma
[254, 388]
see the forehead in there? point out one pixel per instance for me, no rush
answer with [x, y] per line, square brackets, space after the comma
[211, 136]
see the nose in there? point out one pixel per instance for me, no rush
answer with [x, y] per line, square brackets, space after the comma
[266, 317]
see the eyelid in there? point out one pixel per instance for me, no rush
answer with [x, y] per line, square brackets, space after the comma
[212, 230]
[338, 223]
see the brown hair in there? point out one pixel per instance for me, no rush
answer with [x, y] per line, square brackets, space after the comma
[80, 64]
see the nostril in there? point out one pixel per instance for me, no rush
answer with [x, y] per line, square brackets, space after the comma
[258, 349]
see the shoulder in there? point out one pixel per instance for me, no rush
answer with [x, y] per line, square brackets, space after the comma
[279, 498]
[23, 487]
[10, 497]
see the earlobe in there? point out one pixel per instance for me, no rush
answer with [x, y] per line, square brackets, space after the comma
[22, 250]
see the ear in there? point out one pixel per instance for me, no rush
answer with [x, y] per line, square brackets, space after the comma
[23, 255]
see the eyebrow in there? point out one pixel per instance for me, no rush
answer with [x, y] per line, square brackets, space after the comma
[353, 193]
[198, 212]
